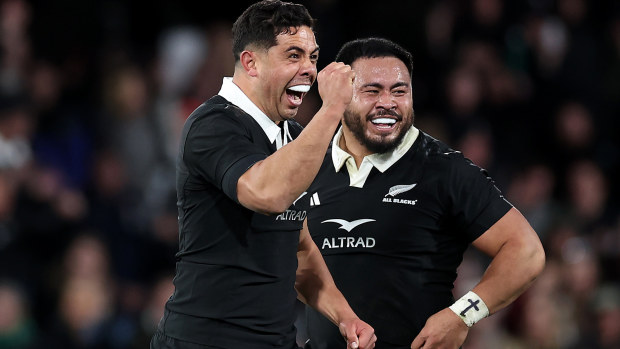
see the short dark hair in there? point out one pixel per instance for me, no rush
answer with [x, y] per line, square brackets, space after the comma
[263, 21]
[372, 48]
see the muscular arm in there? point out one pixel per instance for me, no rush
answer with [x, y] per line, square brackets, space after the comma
[316, 288]
[271, 185]
[518, 258]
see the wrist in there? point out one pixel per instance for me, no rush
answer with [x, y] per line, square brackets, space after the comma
[334, 110]
[344, 314]
[345, 318]
[470, 308]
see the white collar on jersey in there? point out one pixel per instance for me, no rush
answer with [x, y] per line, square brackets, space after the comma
[381, 161]
[235, 95]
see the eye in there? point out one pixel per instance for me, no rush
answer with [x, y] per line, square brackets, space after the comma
[294, 56]
[314, 57]
[399, 92]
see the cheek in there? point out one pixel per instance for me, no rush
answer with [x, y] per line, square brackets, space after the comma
[271, 77]
[405, 103]
[362, 106]
[364, 100]
[269, 72]
[357, 113]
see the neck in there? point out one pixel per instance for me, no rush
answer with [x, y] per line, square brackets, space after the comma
[249, 88]
[351, 145]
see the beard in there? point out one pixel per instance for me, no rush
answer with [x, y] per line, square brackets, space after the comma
[378, 144]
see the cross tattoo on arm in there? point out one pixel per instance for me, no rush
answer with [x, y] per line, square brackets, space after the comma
[472, 304]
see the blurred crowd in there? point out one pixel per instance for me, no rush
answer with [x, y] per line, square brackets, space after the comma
[93, 95]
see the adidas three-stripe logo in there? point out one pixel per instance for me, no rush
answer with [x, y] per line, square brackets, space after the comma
[314, 200]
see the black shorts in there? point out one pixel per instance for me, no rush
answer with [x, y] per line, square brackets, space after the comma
[161, 341]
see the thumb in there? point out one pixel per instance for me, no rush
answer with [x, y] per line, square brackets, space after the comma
[349, 335]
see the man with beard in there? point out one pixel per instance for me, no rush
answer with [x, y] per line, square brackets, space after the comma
[242, 163]
[393, 210]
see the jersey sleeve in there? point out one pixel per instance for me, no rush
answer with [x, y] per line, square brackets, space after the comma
[219, 148]
[476, 202]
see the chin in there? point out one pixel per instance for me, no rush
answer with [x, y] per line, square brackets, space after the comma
[381, 144]
[381, 139]
[289, 114]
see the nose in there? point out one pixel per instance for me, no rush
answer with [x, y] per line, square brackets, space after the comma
[386, 101]
[307, 68]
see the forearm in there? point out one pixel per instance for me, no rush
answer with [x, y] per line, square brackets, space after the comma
[329, 302]
[316, 288]
[271, 185]
[518, 258]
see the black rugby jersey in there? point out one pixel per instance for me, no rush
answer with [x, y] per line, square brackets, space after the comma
[235, 271]
[393, 246]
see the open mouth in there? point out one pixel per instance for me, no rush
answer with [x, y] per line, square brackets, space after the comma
[383, 123]
[300, 88]
[296, 94]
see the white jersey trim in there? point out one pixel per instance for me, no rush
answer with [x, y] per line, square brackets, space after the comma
[235, 95]
[380, 161]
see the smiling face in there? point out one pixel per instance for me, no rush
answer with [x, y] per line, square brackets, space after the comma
[381, 111]
[285, 73]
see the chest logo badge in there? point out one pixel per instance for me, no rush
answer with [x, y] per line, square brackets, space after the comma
[346, 225]
[399, 189]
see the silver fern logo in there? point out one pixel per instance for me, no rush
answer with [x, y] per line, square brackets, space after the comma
[399, 189]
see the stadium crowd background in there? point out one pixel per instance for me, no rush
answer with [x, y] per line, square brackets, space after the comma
[93, 95]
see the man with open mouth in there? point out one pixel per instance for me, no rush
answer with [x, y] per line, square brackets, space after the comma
[242, 163]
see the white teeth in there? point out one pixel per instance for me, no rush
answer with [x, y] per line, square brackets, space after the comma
[383, 121]
[300, 88]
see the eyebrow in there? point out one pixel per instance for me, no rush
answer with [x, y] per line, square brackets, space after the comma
[297, 48]
[378, 85]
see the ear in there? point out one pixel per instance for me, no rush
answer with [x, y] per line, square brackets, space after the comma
[248, 60]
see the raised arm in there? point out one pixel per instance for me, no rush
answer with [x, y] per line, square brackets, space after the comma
[271, 185]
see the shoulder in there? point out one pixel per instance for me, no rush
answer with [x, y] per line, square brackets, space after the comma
[443, 164]
[218, 114]
[436, 152]
[216, 106]
[433, 146]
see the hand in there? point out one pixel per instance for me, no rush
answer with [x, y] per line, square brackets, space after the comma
[443, 330]
[358, 334]
[336, 85]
